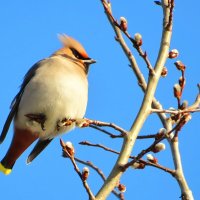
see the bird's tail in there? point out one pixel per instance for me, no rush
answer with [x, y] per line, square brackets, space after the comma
[22, 139]
[5, 170]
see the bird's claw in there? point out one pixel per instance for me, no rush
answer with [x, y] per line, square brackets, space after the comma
[64, 122]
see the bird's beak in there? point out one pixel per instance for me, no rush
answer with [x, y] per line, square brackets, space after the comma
[89, 61]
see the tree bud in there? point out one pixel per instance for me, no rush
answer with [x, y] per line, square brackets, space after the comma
[152, 159]
[159, 147]
[173, 53]
[164, 72]
[138, 39]
[138, 165]
[182, 82]
[68, 146]
[177, 91]
[123, 23]
[122, 188]
[179, 65]
[85, 173]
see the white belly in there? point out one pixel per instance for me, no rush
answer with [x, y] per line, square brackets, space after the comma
[58, 90]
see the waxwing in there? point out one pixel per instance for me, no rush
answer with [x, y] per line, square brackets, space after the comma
[54, 89]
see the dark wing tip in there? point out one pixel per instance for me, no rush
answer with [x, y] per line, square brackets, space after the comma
[38, 148]
[29, 159]
[8, 122]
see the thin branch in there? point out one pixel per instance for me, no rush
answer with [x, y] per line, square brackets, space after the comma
[90, 164]
[176, 112]
[68, 154]
[82, 123]
[146, 136]
[101, 174]
[99, 146]
[165, 169]
[106, 132]
[196, 104]
[141, 154]
[120, 136]
[146, 163]
[89, 122]
[136, 46]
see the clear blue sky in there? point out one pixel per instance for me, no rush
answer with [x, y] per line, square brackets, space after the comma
[29, 33]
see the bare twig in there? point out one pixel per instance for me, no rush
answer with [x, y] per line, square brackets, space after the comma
[146, 136]
[141, 154]
[106, 132]
[94, 124]
[165, 169]
[176, 112]
[68, 153]
[89, 122]
[120, 136]
[146, 163]
[137, 47]
[90, 164]
[98, 145]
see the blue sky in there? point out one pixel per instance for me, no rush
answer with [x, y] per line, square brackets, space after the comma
[29, 33]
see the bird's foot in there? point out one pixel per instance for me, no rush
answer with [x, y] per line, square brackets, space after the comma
[65, 122]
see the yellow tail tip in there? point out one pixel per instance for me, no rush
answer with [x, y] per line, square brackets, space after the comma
[5, 170]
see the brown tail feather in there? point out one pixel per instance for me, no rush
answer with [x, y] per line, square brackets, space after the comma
[22, 139]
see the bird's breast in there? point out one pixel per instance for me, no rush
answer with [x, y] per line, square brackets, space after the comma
[58, 90]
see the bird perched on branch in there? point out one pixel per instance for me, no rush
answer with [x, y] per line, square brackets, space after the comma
[54, 90]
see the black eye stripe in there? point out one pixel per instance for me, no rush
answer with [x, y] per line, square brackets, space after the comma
[77, 54]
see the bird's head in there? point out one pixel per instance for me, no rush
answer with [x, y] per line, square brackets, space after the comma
[74, 50]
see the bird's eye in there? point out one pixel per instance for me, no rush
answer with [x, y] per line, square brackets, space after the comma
[77, 54]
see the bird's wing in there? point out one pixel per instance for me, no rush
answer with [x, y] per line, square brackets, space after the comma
[38, 148]
[16, 100]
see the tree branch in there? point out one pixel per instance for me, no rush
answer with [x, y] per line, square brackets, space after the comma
[144, 110]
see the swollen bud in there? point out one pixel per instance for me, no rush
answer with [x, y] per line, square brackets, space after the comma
[179, 65]
[67, 147]
[182, 82]
[121, 188]
[158, 147]
[152, 159]
[138, 39]
[173, 53]
[164, 72]
[123, 24]
[161, 133]
[138, 165]
[85, 173]
[177, 91]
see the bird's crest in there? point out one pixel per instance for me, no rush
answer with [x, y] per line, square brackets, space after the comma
[71, 43]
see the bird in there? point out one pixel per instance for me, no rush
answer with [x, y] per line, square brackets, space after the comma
[54, 90]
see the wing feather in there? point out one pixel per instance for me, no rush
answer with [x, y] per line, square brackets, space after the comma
[15, 103]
